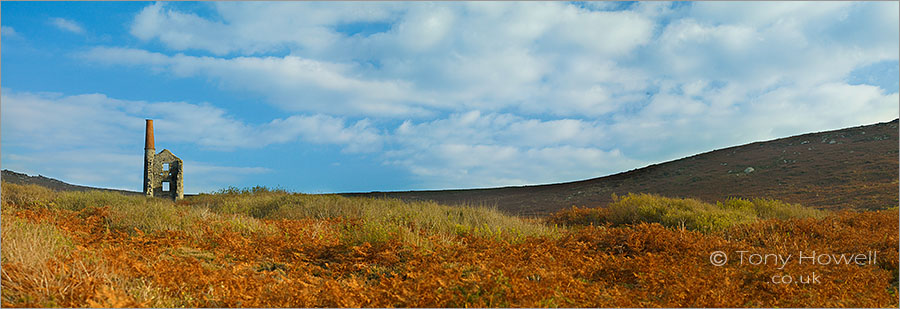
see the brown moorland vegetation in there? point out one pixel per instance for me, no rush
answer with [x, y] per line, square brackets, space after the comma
[267, 248]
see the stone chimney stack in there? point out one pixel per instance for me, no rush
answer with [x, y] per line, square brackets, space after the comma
[149, 152]
[148, 139]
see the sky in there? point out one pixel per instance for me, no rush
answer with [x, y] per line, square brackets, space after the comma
[322, 97]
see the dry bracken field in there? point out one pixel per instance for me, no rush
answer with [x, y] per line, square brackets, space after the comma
[269, 248]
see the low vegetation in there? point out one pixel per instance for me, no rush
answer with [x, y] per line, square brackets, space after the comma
[30, 245]
[260, 247]
[371, 220]
[684, 213]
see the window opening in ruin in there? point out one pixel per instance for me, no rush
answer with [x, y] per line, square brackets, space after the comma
[165, 186]
[165, 166]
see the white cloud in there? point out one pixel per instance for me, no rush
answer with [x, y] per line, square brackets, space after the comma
[253, 28]
[84, 166]
[531, 58]
[835, 104]
[675, 124]
[69, 136]
[768, 43]
[501, 129]
[168, 26]
[432, 57]
[292, 83]
[44, 121]
[477, 150]
[500, 93]
[322, 129]
[48, 121]
[451, 165]
[67, 25]
[8, 31]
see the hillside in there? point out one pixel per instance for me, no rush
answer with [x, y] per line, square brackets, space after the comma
[851, 168]
[41, 180]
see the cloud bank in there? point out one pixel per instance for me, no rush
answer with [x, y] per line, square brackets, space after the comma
[485, 94]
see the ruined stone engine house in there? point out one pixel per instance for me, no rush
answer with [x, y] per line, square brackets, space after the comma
[163, 171]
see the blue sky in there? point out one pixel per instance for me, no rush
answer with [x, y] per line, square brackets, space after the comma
[337, 97]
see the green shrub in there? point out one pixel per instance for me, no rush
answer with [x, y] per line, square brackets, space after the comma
[775, 209]
[683, 212]
[372, 232]
[687, 213]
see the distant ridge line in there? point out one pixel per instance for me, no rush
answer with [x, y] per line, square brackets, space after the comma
[24, 179]
[816, 169]
[850, 168]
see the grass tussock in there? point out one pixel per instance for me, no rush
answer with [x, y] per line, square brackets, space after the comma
[683, 213]
[26, 196]
[31, 245]
[371, 220]
[129, 212]
[239, 223]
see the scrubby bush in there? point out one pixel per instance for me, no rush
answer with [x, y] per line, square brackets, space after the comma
[683, 213]
[379, 217]
[579, 216]
[772, 209]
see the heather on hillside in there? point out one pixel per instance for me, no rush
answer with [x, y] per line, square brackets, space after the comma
[269, 248]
